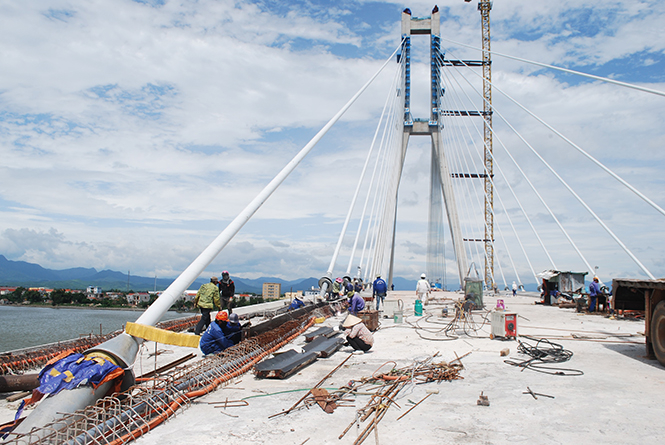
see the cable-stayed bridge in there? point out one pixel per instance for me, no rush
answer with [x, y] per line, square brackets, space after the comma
[490, 209]
[472, 200]
[478, 183]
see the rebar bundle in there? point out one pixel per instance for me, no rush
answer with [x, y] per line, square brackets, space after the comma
[121, 418]
[384, 387]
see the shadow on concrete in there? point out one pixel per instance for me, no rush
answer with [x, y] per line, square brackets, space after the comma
[636, 352]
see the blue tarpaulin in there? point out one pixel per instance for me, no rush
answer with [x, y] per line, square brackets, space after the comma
[75, 370]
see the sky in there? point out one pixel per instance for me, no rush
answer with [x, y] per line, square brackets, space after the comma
[133, 132]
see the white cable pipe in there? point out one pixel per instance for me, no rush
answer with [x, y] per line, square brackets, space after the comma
[154, 313]
[565, 184]
[571, 143]
[369, 154]
[496, 164]
[565, 70]
[464, 125]
[556, 220]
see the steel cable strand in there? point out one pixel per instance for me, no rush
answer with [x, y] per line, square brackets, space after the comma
[458, 161]
[496, 191]
[565, 184]
[492, 181]
[519, 203]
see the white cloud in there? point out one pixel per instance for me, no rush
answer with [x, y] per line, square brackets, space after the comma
[130, 135]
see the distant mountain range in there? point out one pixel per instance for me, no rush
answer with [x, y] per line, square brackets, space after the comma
[21, 273]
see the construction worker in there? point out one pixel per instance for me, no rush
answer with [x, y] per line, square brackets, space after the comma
[357, 285]
[357, 335]
[423, 289]
[207, 299]
[337, 288]
[233, 329]
[594, 291]
[379, 290]
[218, 336]
[227, 290]
[356, 303]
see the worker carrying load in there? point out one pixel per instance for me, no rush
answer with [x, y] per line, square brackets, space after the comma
[222, 334]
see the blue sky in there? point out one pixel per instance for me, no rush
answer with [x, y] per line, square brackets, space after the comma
[133, 132]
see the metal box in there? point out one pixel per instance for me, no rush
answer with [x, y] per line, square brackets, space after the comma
[504, 324]
[370, 318]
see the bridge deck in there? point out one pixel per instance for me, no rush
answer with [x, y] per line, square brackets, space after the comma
[609, 352]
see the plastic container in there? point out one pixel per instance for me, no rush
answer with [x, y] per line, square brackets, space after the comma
[418, 308]
[398, 316]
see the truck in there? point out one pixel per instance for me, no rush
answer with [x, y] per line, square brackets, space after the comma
[647, 296]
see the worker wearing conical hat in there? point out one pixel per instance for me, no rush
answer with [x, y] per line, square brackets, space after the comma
[357, 334]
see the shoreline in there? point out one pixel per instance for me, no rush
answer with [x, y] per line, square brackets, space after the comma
[104, 308]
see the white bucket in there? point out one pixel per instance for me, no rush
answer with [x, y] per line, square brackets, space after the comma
[398, 316]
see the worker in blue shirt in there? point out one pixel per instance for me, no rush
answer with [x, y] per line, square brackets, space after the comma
[594, 291]
[215, 339]
[223, 333]
[379, 290]
[356, 302]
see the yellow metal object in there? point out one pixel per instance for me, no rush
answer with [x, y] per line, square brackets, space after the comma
[319, 320]
[161, 335]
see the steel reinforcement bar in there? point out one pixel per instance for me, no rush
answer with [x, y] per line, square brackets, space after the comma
[124, 417]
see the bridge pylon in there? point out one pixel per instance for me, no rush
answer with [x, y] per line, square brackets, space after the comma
[430, 127]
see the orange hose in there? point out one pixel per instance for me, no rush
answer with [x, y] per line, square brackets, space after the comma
[173, 406]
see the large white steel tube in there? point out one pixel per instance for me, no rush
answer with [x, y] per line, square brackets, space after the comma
[155, 312]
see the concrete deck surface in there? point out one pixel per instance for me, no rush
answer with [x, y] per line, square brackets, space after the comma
[618, 399]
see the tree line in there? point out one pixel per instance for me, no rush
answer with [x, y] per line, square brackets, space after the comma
[61, 297]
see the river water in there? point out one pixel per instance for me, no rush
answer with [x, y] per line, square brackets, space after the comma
[23, 327]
